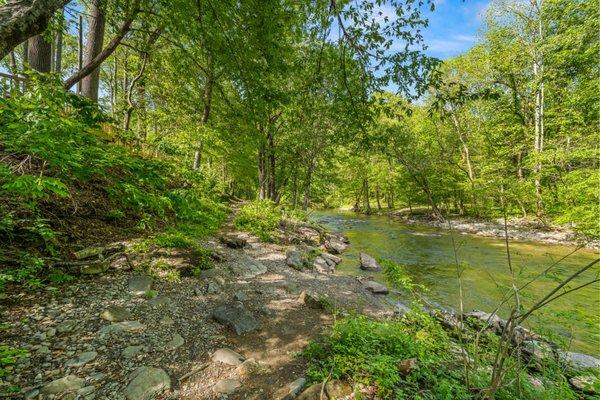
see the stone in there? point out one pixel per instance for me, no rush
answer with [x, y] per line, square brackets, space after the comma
[227, 386]
[295, 388]
[94, 269]
[212, 288]
[407, 366]
[67, 384]
[82, 359]
[537, 351]
[235, 242]
[368, 263]
[167, 321]
[159, 301]
[247, 268]
[124, 326]
[375, 287]
[311, 300]
[139, 284]
[535, 382]
[494, 322]
[132, 351]
[578, 361]
[227, 356]
[296, 259]
[585, 383]
[86, 391]
[240, 296]
[176, 341]
[313, 392]
[331, 257]
[335, 246]
[116, 314]
[66, 326]
[146, 382]
[236, 317]
[337, 389]
[322, 266]
[248, 368]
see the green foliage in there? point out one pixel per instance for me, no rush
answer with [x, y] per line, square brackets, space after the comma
[59, 277]
[398, 277]
[8, 357]
[368, 352]
[259, 217]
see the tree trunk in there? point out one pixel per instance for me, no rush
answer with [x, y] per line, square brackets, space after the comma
[58, 51]
[377, 194]
[262, 173]
[207, 102]
[538, 69]
[271, 157]
[367, 200]
[23, 19]
[94, 43]
[39, 54]
[130, 103]
[307, 185]
[295, 191]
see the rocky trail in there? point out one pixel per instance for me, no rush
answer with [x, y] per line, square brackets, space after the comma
[237, 331]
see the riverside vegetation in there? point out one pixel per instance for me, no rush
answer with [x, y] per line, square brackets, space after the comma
[156, 181]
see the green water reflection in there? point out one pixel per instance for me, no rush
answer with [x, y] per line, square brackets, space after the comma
[428, 256]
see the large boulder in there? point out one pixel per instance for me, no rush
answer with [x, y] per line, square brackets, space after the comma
[368, 263]
[236, 317]
[227, 386]
[322, 266]
[330, 257]
[335, 245]
[311, 300]
[146, 382]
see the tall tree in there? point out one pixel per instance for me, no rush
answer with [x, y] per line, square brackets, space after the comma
[39, 53]
[94, 43]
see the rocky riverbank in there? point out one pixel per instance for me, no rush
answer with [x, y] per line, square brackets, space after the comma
[235, 331]
[518, 229]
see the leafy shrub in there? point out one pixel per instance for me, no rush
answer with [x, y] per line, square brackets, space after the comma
[8, 357]
[259, 217]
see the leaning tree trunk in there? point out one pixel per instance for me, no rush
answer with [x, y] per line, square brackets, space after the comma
[39, 54]
[94, 43]
[207, 102]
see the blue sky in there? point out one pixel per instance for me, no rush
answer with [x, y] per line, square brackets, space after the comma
[453, 26]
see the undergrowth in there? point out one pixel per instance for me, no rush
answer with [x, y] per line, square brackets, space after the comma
[65, 181]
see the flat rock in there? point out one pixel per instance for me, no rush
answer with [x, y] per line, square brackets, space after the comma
[176, 341]
[236, 317]
[66, 326]
[335, 246]
[227, 386]
[331, 257]
[94, 269]
[584, 383]
[368, 263]
[67, 384]
[247, 268]
[132, 351]
[116, 314]
[227, 356]
[82, 359]
[579, 361]
[235, 242]
[322, 266]
[159, 301]
[146, 382]
[337, 389]
[139, 284]
[124, 326]
[375, 287]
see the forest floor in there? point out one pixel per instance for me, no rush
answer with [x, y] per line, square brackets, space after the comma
[174, 331]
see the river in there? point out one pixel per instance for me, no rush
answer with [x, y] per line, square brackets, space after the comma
[429, 258]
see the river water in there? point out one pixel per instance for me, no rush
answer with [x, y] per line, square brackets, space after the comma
[429, 258]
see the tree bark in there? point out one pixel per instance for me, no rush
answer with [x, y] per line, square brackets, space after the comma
[130, 103]
[39, 54]
[94, 43]
[22, 19]
[207, 102]
[106, 52]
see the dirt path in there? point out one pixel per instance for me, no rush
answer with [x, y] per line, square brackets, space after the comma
[175, 333]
